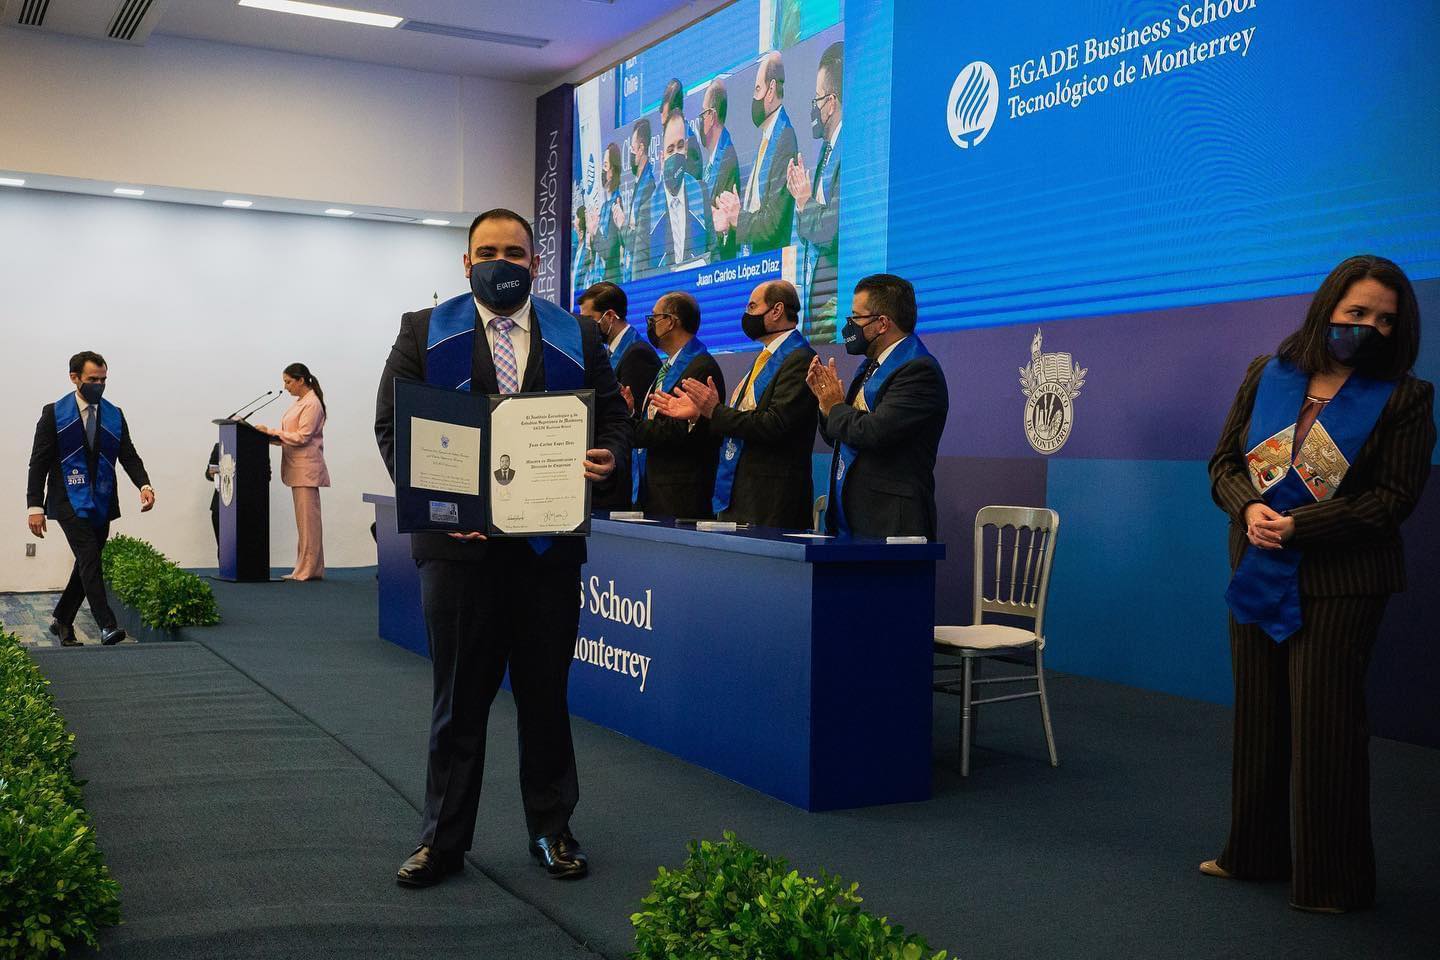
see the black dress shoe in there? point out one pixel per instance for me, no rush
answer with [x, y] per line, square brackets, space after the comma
[111, 636]
[560, 855]
[66, 633]
[425, 868]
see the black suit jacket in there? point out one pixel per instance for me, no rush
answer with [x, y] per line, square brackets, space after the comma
[612, 423]
[213, 462]
[726, 177]
[769, 227]
[46, 487]
[773, 485]
[890, 488]
[1350, 544]
[680, 462]
[636, 370]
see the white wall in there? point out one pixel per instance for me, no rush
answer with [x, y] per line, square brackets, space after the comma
[197, 310]
[209, 116]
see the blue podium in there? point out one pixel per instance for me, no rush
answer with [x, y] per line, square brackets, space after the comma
[798, 667]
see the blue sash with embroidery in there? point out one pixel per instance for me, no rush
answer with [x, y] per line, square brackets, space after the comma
[730, 453]
[844, 456]
[678, 363]
[89, 495]
[1265, 589]
[450, 347]
[626, 338]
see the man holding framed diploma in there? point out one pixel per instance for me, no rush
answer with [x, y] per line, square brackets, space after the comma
[496, 414]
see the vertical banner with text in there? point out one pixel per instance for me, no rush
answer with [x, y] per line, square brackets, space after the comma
[554, 133]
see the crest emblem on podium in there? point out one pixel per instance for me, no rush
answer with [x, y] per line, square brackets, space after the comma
[227, 478]
[1050, 383]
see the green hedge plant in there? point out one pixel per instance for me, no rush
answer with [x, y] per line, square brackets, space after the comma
[55, 891]
[165, 596]
[730, 900]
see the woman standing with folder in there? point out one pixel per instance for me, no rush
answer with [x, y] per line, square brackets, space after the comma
[301, 438]
[1325, 452]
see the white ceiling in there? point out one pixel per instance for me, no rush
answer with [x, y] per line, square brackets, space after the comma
[576, 30]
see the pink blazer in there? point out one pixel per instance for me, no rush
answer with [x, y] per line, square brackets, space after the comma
[302, 444]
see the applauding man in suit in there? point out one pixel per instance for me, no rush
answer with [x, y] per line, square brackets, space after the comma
[490, 605]
[762, 217]
[886, 428]
[78, 441]
[634, 363]
[675, 459]
[769, 425]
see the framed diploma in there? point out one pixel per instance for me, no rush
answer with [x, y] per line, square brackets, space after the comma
[509, 466]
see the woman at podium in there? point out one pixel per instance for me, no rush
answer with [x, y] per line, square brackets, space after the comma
[301, 436]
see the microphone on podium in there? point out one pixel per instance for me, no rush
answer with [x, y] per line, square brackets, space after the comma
[246, 418]
[244, 405]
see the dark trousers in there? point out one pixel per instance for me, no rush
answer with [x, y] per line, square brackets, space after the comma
[512, 609]
[86, 581]
[1302, 744]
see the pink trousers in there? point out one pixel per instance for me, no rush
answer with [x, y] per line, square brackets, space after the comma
[310, 551]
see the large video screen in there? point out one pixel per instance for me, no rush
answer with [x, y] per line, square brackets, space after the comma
[710, 163]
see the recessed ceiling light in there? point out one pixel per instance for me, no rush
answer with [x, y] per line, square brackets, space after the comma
[435, 223]
[337, 212]
[237, 203]
[325, 12]
[129, 192]
[11, 182]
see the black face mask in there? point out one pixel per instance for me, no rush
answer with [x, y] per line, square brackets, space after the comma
[92, 392]
[1356, 345]
[634, 165]
[651, 334]
[757, 111]
[753, 325]
[674, 170]
[817, 126]
[856, 343]
[499, 284]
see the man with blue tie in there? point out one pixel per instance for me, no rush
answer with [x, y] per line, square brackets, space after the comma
[680, 236]
[78, 441]
[636, 219]
[763, 217]
[508, 604]
[886, 428]
[817, 201]
[721, 173]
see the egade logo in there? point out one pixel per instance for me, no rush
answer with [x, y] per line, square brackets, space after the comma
[974, 98]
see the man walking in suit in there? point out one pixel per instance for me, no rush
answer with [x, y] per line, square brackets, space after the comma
[490, 605]
[78, 441]
[721, 173]
[763, 217]
[634, 362]
[817, 201]
[674, 460]
[886, 429]
[768, 427]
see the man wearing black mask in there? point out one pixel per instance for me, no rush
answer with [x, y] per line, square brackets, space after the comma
[636, 220]
[817, 201]
[672, 103]
[764, 472]
[78, 441]
[634, 362]
[762, 213]
[886, 428]
[506, 603]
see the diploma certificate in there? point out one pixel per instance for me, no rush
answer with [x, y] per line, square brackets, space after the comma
[537, 463]
[444, 457]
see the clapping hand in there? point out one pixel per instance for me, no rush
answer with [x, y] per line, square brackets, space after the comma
[824, 381]
[705, 396]
[629, 398]
[797, 181]
[617, 212]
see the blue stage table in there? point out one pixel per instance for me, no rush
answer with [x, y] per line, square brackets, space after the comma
[798, 667]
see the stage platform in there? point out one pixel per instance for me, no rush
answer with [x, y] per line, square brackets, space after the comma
[255, 786]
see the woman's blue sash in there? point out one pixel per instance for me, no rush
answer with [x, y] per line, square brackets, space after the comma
[678, 364]
[730, 453]
[89, 495]
[905, 351]
[1265, 589]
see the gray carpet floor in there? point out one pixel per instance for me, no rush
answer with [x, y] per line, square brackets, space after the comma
[255, 788]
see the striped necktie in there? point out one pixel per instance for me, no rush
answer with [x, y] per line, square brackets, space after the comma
[658, 384]
[506, 373]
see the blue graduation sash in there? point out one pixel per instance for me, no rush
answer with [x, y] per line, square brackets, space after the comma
[89, 495]
[678, 363]
[730, 453]
[844, 456]
[450, 345]
[626, 338]
[1265, 589]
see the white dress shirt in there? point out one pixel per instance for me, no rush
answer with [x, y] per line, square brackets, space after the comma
[860, 403]
[749, 399]
[820, 186]
[755, 188]
[614, 343]
[519, 335]
[679, 215]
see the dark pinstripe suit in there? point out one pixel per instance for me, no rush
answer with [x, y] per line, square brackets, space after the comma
[1300, 705]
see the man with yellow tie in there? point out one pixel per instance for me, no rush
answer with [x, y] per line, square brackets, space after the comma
[769, 423]
[762, 216]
